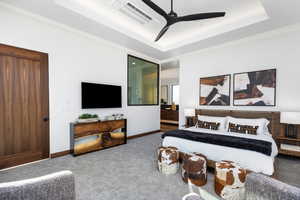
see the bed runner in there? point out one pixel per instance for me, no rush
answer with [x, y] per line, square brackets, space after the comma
[260, 146]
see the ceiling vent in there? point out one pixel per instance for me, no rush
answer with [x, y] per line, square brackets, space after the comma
[131, 10]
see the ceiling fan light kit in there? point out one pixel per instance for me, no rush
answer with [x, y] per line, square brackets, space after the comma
[173, 18]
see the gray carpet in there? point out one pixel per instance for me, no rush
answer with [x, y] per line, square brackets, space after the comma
[289, 170]
[126, 172]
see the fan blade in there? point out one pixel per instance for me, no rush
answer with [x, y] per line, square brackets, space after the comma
[200, 16]
[162, 32]
[156, 8]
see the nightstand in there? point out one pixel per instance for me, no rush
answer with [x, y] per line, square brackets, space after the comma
[286, 145]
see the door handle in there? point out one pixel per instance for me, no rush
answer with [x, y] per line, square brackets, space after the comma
[45, 119]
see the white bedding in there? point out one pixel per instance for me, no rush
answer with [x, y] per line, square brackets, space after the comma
[251, 160]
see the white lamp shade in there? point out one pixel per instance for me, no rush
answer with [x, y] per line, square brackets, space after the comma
[290, 117]
[189, 112]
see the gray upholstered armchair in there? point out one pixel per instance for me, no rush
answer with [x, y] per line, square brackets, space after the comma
[260, 187]
[57, 186]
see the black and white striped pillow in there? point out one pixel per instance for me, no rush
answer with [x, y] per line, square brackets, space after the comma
[208, 125]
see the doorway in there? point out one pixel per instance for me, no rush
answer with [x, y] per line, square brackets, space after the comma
[24, 106]
[170, 93]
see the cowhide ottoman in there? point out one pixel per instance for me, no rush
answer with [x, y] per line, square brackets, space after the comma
[194, 168]
[230, 180]
[168, 160]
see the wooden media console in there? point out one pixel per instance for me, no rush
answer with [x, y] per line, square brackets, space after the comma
[88, 137]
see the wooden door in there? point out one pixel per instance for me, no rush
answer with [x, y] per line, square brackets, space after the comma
[24, 124]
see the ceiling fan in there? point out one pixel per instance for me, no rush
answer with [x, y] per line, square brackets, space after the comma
[173, 18]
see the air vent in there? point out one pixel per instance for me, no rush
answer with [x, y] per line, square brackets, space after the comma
[132, 11]
[135, 9]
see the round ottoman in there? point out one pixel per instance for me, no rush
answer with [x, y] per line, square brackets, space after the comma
[230, 180]
[194, 169]
[168, 160]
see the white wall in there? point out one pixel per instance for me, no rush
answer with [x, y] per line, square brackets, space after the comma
[169, 81]
[279, 50]
[74, 57]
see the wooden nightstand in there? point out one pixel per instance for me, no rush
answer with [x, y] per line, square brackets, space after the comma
[286, 145]
[289, 146]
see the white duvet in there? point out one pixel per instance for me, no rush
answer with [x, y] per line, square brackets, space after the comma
[254, 161]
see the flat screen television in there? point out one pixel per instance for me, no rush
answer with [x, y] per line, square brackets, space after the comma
[100, 96]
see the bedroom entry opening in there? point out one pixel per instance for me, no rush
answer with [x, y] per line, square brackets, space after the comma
[169, 95]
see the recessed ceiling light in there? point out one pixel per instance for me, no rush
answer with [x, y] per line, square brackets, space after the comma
[133, 63]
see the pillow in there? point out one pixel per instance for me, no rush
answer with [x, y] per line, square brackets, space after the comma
[221, 120]
[237, 128]
[260, 122]
[208, 125]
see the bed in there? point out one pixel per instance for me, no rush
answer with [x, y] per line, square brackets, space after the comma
[252, 159]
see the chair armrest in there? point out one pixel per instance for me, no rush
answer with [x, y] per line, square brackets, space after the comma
[261, 187]
[57, 186]
[192, 196]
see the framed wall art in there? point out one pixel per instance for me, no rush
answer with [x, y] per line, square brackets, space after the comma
[256, 88]
[215, 91]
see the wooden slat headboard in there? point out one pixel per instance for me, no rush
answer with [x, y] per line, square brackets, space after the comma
[273, 117]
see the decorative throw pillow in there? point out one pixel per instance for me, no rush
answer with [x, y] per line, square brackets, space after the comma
[252, 130]
[237, 128]
[221, 120]
[208, 125]
[262, 123]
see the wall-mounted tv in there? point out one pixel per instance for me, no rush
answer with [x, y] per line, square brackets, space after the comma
[100, 96]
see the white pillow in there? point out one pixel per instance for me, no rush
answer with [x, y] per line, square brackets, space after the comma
[221, 120]
[262, 123]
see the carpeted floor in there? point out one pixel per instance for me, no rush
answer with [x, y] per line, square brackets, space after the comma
[126, 172]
